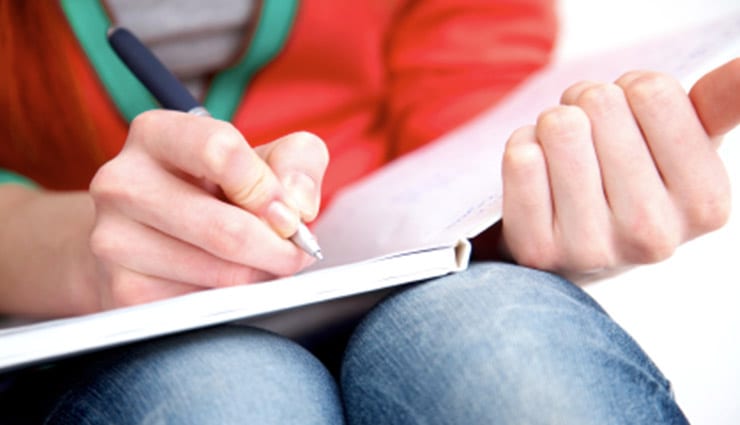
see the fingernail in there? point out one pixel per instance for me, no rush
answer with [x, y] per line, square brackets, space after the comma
[301, 190]
[283, 219]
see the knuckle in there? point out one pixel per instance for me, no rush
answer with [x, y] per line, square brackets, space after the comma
[712, 211]
[221, 146]
[106, 181]
[117, 185]
[572, 92]
[650, 235]
[650, 87]
[521, 136]
[257, 190]
[306, 141]
[226, 238]
[600, 98]
[656, 250]
[561, 124]
[117, 181]
[103, 244]
[522, 153]
[142, 123]
[628, 76]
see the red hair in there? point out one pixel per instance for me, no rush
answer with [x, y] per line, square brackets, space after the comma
[51, 121]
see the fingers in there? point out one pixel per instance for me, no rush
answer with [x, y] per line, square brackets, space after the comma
[185, 205]
[555, 211]
[692, 171]
[619, 174]
[299, 161]
[626, 166]
[143, 250]
[129, 288]
[136, 189]
[642, 214]
[715, 96]
[215, 151]
[528, 206]
[668, 122]
[581, 210]
[139, 273]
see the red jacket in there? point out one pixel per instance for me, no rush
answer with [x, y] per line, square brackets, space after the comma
[374, 79]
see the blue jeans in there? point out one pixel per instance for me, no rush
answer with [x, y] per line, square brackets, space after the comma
[497, 344]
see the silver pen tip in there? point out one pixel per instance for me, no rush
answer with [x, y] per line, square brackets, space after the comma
[307, 242]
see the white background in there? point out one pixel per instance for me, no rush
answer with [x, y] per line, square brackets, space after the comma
[685, 311]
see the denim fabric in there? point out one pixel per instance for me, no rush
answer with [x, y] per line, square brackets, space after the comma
[222, 376]
[497, 344]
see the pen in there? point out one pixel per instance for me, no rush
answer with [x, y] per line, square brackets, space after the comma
[172, 94]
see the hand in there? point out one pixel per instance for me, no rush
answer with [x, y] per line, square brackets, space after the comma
[619, 174]
[188, 204]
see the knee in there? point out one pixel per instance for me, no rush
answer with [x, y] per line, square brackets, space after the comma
[507, 308]
[488, 299]
[494, 341]
[219, 375]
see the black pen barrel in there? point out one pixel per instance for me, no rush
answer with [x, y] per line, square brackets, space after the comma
[160, 82]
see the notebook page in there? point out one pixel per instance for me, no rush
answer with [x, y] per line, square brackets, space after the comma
[452, 188]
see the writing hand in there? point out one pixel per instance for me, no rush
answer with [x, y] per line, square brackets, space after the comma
[619, 174]
[189, 204]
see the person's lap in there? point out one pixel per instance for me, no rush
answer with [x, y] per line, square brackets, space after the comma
[500, 344]
[220, 375]
[495, 344]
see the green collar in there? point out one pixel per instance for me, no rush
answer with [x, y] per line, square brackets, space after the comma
[90, 22]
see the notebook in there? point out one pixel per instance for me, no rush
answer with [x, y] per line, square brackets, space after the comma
[410, 221]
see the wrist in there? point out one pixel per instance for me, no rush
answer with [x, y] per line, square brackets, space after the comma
[46, 267]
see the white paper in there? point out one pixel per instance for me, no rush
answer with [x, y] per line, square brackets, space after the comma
[452, 188]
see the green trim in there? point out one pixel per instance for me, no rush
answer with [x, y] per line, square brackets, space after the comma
[90, 23]
[273, 28]
[9, 177]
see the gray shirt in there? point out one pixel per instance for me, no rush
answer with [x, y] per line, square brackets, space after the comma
[193, 38]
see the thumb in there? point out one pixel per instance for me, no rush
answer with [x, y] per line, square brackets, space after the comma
[299, 161]
[716, 98]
